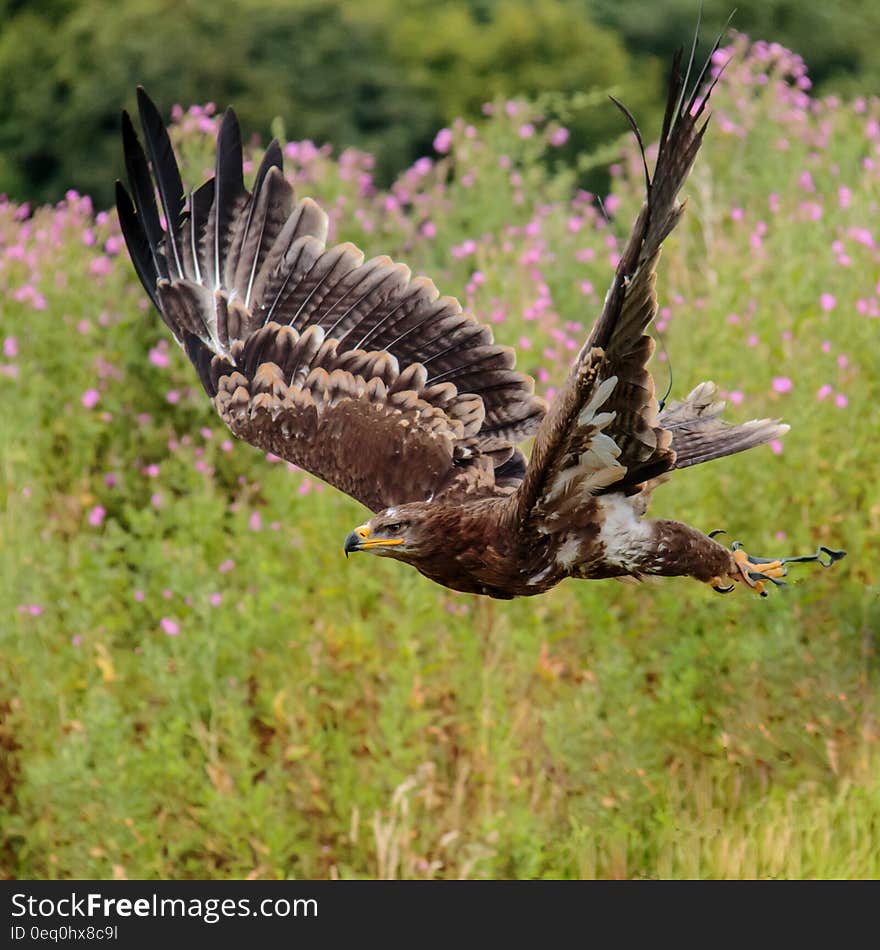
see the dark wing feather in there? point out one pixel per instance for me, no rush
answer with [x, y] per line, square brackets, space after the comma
[142, 194]
[290, 396]
[168, 183]
[353, 370]
[229, 197]
[138, 245]
[603, 431]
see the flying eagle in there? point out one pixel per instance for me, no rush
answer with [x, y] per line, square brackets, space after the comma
[366, 377]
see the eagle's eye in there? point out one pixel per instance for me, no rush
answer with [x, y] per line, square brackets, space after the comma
[393, 528]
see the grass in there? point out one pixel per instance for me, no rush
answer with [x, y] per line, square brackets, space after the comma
[195, 683]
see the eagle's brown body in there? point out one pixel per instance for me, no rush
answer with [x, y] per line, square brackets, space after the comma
[368, 378]
[474, 548]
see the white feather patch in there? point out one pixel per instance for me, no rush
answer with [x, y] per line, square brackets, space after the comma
[598, 399]
[597, 466]
[625, 536]
[536, 579]
[568, 552]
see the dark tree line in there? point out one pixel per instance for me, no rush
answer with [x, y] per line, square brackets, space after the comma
[383, 75]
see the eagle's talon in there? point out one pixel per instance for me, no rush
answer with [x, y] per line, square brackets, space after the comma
[757, 571]
[716, 586]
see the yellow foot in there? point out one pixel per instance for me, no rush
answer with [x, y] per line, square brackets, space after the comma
[755, 572]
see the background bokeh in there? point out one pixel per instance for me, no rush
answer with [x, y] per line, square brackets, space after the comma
[382, 76]
[193, 680]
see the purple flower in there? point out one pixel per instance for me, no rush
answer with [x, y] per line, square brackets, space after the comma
[90, 398]
[170, 628]
[96, 516]
[158, 355]
[422, 166]
[782, 384]
[828, 302]
[559, 136]
[10, 347]
[464, 249]
[101, 266]
[443, 141]
[29, 294]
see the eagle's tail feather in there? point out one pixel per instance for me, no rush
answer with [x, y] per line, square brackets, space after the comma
[700, 435]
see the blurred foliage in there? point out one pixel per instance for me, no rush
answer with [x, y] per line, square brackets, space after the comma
[195, 683]
[837, 40]
[321, 65]
[381, 75]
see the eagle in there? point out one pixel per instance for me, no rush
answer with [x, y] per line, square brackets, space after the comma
[365, 376]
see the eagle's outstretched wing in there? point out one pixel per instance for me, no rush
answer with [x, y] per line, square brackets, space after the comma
[605, 431]
[353, 370]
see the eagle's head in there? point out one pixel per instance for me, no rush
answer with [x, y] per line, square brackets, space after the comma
[400, 532]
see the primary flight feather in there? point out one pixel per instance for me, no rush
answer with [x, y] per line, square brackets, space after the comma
[366, 377]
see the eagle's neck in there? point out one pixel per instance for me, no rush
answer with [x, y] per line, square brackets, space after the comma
[475, 548]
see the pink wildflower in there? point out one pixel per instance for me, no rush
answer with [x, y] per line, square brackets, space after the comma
[782, 384]
[443, 141]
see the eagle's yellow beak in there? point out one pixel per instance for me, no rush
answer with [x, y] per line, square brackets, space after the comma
[360, 540]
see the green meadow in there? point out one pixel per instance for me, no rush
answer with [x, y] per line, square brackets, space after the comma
[195, 683]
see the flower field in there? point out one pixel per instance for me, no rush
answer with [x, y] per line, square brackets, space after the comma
[194, 682]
